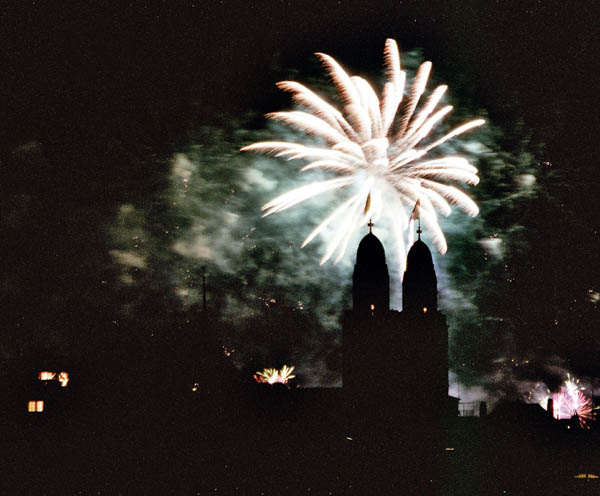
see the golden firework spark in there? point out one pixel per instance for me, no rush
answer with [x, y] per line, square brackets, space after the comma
[274, 376]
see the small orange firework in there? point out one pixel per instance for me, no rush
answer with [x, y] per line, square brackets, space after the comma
[274, 376]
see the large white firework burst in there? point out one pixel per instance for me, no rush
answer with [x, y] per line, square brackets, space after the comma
[378, 150]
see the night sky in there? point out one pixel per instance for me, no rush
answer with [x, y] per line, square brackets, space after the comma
[122, 180]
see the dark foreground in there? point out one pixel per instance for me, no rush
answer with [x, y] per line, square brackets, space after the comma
[282, 442]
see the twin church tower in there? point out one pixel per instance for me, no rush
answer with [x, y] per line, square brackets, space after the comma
[396, 362]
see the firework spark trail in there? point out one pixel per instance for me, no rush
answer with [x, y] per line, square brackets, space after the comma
[570, 400]
[376, 148]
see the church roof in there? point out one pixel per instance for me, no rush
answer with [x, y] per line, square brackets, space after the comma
[370, 251]
[419, 256]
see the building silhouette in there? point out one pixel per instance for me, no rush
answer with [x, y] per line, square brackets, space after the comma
[395, 363]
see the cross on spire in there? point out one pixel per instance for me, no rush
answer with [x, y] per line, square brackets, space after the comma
[370, 224]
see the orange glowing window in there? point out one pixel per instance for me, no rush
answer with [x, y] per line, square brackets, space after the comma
[424, 309]
[63, 378]
[46, 376]
[372, 307]
[35, 406]
[585, 476]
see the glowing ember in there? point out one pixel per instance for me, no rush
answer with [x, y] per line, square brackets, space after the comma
[273, 376]
[377, 149]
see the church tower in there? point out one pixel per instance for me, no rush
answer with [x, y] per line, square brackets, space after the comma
[419, 284]
[371, 280]
[425, 327]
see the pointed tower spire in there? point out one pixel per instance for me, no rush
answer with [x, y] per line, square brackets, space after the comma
[370, 224]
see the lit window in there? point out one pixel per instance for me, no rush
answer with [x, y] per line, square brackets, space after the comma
[63, 378]
[424, 309]
[46, 376]
[372, 307]
[35, 406]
